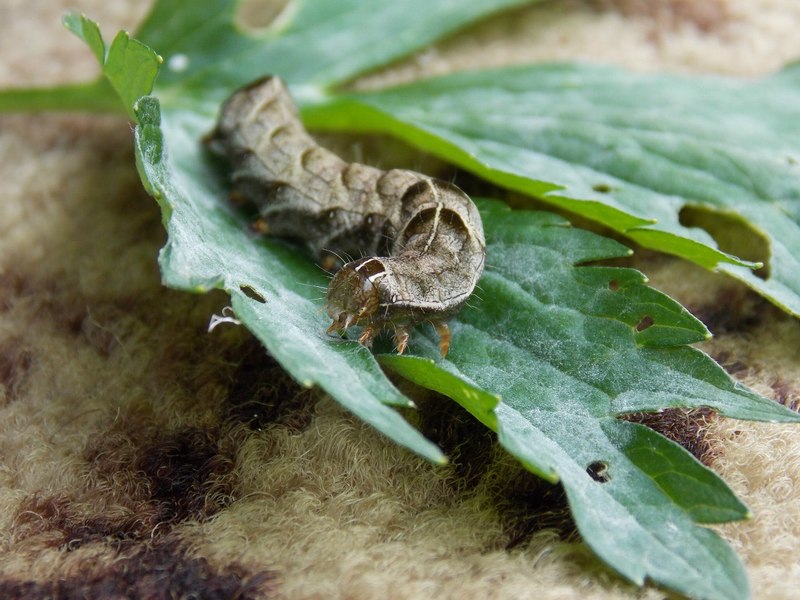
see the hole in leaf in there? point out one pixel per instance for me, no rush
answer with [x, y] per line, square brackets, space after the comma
[732, 234]
[598, 470]
[613, 285]
[251, 293]
[603, 188]
[255, 15]
[645, 322]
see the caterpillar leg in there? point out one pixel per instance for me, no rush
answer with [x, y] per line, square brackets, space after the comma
[401, 336]
[260, 225]
[337, 325]
[329, 263]
[443, 329]
[365, 339]
[237, 198]
[342, 322]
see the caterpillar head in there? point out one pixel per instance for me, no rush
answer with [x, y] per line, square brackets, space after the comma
[354, 295]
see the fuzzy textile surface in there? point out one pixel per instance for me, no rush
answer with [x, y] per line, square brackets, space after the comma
[141, 456]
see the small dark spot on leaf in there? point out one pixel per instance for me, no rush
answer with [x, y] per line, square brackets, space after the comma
[251, 293]
[613, 285]
[598, 470]
[644, 323]
[603, 188]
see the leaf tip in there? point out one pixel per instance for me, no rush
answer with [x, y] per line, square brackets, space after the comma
[67, 17]
[551, 476]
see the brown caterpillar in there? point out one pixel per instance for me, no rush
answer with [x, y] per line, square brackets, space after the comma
[422, 237]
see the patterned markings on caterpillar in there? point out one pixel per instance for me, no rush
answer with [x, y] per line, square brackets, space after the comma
[423, 237]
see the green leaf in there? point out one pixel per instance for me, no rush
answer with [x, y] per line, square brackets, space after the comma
[89, 32]
[208, 246]
[128, 65]
[625, 149]
[274, 290]
[549, 337]
[568, 348]
[317, 43]
[97, 96]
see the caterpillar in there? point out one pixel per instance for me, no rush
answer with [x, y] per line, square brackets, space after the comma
[421, 239]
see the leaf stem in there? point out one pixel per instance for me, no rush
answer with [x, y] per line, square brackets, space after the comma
[96, 96]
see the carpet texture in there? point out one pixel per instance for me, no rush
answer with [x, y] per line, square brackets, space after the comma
[142, 456]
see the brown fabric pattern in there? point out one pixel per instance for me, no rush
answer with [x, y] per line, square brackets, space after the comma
[141, 456]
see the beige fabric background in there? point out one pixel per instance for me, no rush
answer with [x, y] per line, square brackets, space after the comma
[139, 453]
